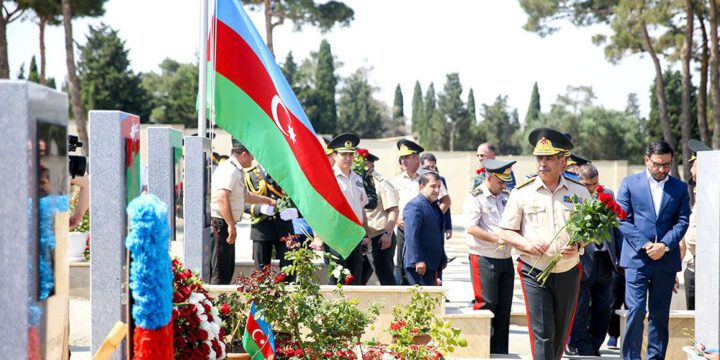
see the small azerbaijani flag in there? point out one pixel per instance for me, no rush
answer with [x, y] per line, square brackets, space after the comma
[258, 339]
[255, 104]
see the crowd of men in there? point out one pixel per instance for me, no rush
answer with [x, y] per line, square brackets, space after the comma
[407, 222]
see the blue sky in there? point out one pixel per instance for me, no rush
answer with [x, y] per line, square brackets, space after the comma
[400, 40]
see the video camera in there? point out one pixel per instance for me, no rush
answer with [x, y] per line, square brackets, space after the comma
[77, 164]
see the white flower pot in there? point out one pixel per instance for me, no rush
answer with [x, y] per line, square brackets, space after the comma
[76, 246]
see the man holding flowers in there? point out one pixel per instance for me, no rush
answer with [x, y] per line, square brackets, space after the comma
[658, 208]
[533, 222]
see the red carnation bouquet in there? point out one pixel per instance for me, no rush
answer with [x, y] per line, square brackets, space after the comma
[360, 160]
[590, 221]
[196, 321]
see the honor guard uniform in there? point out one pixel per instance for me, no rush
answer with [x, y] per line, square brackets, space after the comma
[266, 230]
[351, 185]
[491, 266]
[533, 223]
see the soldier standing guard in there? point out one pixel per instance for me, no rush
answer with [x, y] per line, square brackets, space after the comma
[268, 225]
[535, 213]
[491, 267]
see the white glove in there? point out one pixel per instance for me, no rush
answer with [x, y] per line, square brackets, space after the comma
[289, 214]
[268, 210]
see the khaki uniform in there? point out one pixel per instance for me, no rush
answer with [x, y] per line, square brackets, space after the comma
[689, 274]
[483, 209]
[382, 260]
[538, 214]
[354, 190]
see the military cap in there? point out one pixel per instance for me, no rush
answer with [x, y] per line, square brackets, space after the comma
[325, 140]
[548, 141]
[344, 143]
[372, 158]
[499, 168]
[236, 144]
[578, 160]
[696, 146]
[408, 147]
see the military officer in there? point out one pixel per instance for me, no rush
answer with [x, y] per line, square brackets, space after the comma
[268, 227]
[491, 268]
[534, 216]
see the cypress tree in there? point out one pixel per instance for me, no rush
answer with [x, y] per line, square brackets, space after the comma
[533, 112]
[398, 104]
[453, 111]
[471, 108]
[428, 110]
[290, 69]
[417, 110]
[326, 83]
[33, 72]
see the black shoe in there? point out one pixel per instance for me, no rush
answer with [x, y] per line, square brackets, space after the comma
[571, 351]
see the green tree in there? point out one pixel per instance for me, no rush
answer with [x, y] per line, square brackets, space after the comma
[436, 132]
[326, 83]
[672, 81]
[301, 12]
[609, 135]
[533, 112]
[499, 125]
[51, 83]
[290, 70]
[472, 118]
[49, 12]
[454, 113]
[108, 82]
[416, 120]
[358, 111]
[173, 92]
[8, 14]
[33, 71]
[398, 105]
[429, 107]
[21, 72]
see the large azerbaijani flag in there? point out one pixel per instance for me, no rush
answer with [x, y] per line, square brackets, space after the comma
[256, 105]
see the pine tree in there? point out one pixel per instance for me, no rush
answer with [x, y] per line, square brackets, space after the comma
[326, 83]
[429, 107]
[51, 83]
[358, 111]
[173, 92]
[500, 125]
[533, 112]
[417, 110]
[471, 108]
[398, 105]
[108, 83]
[632, 107]
[290, 70]
[454, 112]
[436, 134]
[33, 74]
[21, 72]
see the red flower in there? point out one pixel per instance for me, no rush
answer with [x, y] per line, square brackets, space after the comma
[599, 189]
[363, 152]
[349, 279]
[623, 215]
[177, 297]
[298, 353]
[202, 334]
[605, 198]
[480, 171]
[280, 278]
[224, 309]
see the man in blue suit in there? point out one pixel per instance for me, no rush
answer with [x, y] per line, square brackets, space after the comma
[658, 208]
[424, 253]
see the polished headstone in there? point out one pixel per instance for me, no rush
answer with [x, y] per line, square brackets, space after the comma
[196, 202]
[163, 145]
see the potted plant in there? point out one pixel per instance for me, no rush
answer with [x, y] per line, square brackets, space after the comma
[79, 238]
[233, 312]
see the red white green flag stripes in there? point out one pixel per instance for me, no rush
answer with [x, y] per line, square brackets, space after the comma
[256, 105]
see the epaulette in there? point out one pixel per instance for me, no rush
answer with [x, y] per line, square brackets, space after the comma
[526, 182]
[572, 180]
[250, 169]
[506, 191]
[476, 191]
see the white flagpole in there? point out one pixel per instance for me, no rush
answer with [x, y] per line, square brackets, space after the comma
[202, 80]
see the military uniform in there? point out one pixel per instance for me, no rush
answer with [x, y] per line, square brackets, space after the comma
[491, 267]
[266, 231]
[387, 200]
[538, 214]
[353, 188]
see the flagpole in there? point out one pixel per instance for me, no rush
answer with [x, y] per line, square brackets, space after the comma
[202, 64]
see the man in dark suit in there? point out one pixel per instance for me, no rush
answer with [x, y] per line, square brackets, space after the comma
[658, 208]
[424, 254]
[599, 262]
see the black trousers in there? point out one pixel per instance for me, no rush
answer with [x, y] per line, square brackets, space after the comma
[400, 275]
[618, 300]
[592, 317]
[263, 253]
[382, 260]
[550, 309]
[223, 254]
[353, 262]
[493, 283]
[690, 289]
[266, 237]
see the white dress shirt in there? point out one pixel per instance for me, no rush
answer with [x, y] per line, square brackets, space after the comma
[656, 189]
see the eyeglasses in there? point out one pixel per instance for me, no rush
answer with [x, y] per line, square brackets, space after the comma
[655, 165]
